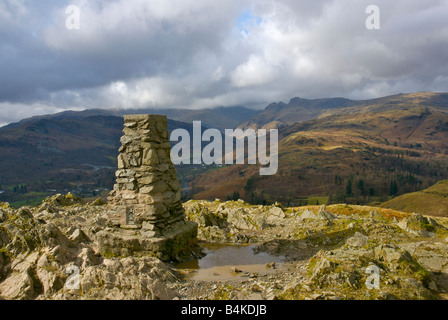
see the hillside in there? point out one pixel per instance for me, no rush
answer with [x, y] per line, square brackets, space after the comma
[301, 110]
[297, 110]
[432, 201]
[73, 152]
[51, 152]
[76, 150]
[359, 154]
[349, 151]
[220, 118]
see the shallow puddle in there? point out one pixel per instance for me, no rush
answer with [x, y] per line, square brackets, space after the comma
[219, 260]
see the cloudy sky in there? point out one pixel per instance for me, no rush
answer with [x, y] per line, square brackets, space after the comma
[208, 53]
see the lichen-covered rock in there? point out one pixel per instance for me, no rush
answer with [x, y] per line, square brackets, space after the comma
[129, 279]
[204, 217]
[392, 255]
[419, 225]
[79, 236]
[323, 214]
[358, 240]
[97, 202]
[18, 286]
[60, 200]
[324, 260]
[241, 219]
[308, 214]
[347, 271]
[275, 216]
[35, 255]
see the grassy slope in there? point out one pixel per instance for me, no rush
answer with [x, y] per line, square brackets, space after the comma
[432, 201]
[60, 154]
[374, 142]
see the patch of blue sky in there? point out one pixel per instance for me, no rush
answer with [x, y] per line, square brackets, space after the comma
[246, 20]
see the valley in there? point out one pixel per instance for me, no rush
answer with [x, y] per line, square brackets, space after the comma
[361, 154]
[330, 151]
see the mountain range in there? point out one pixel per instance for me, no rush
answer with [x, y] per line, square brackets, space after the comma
[366, 152]
[330, 150]
[77, 150]
[220, 118]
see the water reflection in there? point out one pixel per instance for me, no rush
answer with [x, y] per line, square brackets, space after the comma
[220, 258]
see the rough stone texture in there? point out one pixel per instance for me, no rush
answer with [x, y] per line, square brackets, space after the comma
[323, 261]
[175, 245]
[275, 216]
[145, 209]
[146, 193]
[419, 226]
[129, 279]
[358, 240]
[323, 214]
[308, 214]
[18, 286]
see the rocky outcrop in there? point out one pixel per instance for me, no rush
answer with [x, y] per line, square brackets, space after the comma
[308, 214]
[322, 214]
[420, 226]
[224, 221]
[35, 257]
[348, 271]
[358, 240]
[232, 214]
[334, 254]
[60, 200]
[128, 279]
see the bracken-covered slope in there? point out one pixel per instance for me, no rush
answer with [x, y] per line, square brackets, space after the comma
[43, 155]
[431, 201]
[346, 151]
[357, 154]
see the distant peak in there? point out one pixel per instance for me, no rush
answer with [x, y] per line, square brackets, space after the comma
[295, 99]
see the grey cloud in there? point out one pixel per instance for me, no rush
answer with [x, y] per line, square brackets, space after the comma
[194, 53]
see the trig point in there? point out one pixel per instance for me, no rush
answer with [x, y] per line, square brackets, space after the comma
[145, 212]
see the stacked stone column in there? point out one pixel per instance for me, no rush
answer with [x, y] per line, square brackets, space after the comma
[146, 195]
[145, 212]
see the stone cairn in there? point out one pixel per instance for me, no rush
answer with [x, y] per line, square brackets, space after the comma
[145, 212]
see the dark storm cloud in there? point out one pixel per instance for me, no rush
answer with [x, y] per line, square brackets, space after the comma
[201, 53]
